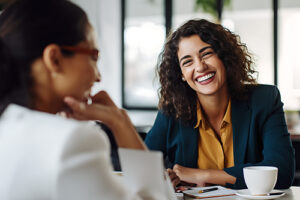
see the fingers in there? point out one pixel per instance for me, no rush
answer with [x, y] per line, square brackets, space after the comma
[103, 98]
[190, 175]
[108, 113]
[63, 114]
[83, 111]
[102, 109]
[177, 168]
[173, 177]
[74, 104]
[171, 174]
[184, 183]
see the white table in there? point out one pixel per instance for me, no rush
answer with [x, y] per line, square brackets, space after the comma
[291, 194]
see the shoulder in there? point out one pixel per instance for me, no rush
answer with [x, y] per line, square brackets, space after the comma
[165, 126]
[261, 98]
[46, 145]
[161, 115]
[165, 121]
[159, 130]
[55, 131]
[263, 91]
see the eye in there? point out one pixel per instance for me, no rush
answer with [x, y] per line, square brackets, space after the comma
[95, 55]
[186, 62]
[95, 58]
[206, 54]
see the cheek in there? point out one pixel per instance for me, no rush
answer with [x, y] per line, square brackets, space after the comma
[223, 70]
[85, 74]
[187, 72]
[74, 84]
[63, 86]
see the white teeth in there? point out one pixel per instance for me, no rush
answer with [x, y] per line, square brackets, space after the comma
[203, 78]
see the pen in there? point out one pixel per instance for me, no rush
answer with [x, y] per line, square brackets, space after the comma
[180, 189]
[208, 190]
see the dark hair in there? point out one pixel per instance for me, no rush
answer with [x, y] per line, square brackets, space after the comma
[177, 98]
[26, 28]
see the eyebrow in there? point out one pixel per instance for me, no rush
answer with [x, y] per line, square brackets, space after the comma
[200, 51]
[204, 48]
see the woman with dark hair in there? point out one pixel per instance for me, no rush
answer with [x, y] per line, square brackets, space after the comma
[48, 57]
[214, 118]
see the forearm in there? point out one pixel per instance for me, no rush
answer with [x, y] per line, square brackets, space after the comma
[202, 177]
[219, 177]
[127, 137]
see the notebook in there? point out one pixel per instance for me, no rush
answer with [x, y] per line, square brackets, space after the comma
[220, 192]
[144, 173]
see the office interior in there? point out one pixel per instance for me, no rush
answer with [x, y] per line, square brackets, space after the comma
[131, 34]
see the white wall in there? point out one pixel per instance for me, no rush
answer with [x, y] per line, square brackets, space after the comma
[105, 16]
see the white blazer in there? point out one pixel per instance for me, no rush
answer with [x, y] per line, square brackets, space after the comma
[44, 156]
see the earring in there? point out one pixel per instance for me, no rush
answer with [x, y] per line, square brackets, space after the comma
[183, 79]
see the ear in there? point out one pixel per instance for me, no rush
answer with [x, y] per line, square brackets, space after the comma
[52, 58]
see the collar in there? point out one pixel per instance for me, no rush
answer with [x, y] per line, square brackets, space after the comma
[202, 122]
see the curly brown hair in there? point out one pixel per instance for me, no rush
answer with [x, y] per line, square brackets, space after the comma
[177, 98]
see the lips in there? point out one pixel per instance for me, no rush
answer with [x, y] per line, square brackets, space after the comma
[206, 77]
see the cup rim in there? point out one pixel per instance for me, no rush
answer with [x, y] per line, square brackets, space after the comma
[265, 168]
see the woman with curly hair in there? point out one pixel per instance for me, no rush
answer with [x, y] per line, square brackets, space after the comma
[214, 118]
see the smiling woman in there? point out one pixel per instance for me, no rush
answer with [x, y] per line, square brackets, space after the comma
[200, 66]
[214, 118]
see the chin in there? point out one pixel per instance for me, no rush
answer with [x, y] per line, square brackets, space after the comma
[210, 90]
[207, 91]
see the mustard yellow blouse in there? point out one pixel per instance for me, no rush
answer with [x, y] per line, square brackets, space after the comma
[214, 153]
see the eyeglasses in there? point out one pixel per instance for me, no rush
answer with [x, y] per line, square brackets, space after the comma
[92, 52]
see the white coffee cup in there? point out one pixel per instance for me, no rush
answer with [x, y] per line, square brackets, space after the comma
[260, 180]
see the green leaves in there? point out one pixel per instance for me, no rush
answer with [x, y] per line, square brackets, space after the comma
[210, 6]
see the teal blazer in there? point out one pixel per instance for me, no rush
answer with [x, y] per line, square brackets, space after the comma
[260, 137]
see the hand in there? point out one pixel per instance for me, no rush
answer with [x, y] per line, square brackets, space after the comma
[191, 175]
[104, 109]
[203, 177]
[186, 184]
[173, 177]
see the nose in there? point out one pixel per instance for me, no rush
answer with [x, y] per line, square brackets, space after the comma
[97, 75]
[200, 65]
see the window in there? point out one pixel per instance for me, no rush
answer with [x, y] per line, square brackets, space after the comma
[288, 53]
[144, 34]
[253, 22]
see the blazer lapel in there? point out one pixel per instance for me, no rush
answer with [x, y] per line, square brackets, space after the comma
[190, 146]
[241, 115]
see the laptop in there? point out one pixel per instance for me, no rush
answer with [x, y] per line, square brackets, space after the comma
[145, 175]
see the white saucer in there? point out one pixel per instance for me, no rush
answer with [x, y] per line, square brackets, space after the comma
[246, 194]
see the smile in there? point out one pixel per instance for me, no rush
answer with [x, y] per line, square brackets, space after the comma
[205, 77]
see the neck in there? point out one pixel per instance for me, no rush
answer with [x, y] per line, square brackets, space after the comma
[46, 105]
[42, 95]
[214, 106]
